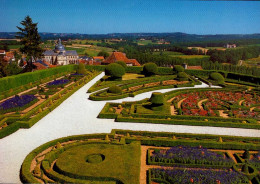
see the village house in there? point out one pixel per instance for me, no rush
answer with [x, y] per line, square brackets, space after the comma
[119, 56]
[230, 46]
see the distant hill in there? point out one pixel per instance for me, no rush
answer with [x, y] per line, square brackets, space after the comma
[173, 37]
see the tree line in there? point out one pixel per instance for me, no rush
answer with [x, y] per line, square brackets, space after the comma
[234, 55]
[210, 65]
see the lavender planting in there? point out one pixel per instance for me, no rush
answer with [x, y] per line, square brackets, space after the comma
[255, 160]
[57, 83]
[190, 155]
[184, 176]
[16, 103]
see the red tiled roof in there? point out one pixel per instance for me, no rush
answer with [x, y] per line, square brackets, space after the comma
[134, 62]
[9, 54]
[194, 68]
[39, 66]
[99, 57]
[119, 56]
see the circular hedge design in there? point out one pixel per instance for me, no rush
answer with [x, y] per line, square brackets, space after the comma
[83, 159]
[95, 158]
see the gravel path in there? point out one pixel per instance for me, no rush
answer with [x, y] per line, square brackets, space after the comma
[77, 115]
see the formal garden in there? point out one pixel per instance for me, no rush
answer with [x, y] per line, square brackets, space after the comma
[31, 100]
[132, 157]
[125, 156]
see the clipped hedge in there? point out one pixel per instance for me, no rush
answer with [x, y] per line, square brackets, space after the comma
[27, 122]
[114, 70]
[143, 119]
[150, 69]
[114, 89]
[15, 81]
[217, 77]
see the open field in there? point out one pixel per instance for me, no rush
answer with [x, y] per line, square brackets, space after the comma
[252, 62]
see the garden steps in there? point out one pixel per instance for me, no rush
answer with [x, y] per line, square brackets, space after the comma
[200, 103]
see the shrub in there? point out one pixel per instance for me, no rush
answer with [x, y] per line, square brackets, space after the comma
[182, 76]
[157, 98]
[150, 69]
[178, 68]
[115, 89]
[217, 77]
[122, 63]
[114, 70]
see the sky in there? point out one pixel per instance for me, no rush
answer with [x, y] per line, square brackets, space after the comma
[132, 16]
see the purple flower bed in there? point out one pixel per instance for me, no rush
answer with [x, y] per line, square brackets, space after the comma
[17, 102]
[255, 160]
[76, 74]
[190, 155]
[58, 82]
[184, 176]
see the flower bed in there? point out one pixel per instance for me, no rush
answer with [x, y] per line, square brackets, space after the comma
[17, 103]
[190, 155]
[237, 104]
[57, 83]
[184, 176]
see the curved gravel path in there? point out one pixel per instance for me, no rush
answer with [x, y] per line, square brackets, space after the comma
[77, 115]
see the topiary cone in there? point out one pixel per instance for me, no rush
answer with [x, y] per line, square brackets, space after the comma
[107, 138]
[58, 145]
[220, 139]
[40, 110]
[173, 137]
[127, 134]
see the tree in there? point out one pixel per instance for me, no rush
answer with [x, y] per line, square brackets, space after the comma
[114, 70]
[103, 53]
[30, 41]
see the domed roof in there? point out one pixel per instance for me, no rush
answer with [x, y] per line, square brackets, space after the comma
[59, 47]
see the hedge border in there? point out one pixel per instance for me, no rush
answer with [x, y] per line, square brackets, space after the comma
[145, 139]
[29, 123]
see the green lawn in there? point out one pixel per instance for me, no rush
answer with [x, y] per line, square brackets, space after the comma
[145, 42]
[121, 162]
[91, 51]
[252, 62]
